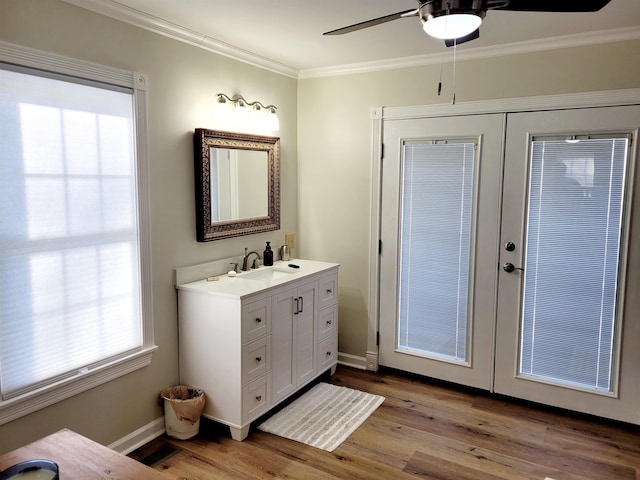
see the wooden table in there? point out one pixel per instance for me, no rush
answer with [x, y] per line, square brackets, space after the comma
[80, 458]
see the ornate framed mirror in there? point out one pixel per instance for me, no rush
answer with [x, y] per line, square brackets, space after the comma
[237, 184]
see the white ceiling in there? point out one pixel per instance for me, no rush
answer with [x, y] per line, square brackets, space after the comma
[288, 33]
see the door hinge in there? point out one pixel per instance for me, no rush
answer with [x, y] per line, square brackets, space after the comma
[377, 339]
[379, 247]
[475, 145]
[381, 151]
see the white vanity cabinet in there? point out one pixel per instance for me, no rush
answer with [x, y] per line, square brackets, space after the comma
[251, 342]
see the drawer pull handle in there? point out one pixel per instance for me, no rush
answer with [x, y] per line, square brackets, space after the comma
[329, 290]
[328, 354]
[329, 322]
[258, 320]
[259, 398]
[299, 308]
[258, 359]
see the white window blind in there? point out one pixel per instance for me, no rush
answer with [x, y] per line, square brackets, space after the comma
[70, 281]
[437, 210]
[575, 212]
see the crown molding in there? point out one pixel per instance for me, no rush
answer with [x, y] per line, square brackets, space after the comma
[118, 11]
[516, 48]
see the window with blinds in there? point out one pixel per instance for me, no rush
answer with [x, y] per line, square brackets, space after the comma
[70, 255]
[574, 231]
[435, 248]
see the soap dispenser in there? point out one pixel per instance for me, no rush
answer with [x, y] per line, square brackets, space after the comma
[268, 255]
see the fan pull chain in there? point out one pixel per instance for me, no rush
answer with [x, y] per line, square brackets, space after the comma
[453, 93]
[441, 68]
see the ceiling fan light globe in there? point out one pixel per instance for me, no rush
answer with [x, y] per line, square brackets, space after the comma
[454, 25]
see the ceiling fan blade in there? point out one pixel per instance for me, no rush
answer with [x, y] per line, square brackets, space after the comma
[371, 23]
[467, 38]
[549, 5]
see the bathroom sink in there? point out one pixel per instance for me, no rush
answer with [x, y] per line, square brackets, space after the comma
[266, 274]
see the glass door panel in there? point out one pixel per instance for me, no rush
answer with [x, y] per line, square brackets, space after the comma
[574, 227]
[435, 247]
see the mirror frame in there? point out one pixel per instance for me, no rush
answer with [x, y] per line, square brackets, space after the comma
[203, 141]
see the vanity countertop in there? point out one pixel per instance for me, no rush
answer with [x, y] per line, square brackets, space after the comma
[260, 279]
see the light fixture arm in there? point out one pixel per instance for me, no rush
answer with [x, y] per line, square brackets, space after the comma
[239, 100]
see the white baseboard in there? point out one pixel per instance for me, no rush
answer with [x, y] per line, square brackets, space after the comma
[353, 361]
[156, 428]
[140, 437]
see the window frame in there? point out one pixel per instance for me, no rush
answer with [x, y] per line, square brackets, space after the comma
[16, 55]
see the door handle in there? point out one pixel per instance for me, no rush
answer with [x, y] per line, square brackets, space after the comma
[509, 267]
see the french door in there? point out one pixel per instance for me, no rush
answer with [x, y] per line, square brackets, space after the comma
[441, 183]
[506, 261]
[564, 334]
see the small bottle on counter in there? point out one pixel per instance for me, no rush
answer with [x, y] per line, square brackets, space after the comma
[268, 255]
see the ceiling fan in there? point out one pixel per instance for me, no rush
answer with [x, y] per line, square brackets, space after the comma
[458, 21]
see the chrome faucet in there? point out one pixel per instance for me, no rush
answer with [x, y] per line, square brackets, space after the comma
[245, 261]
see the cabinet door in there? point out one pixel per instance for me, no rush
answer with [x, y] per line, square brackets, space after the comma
[304, 334]
[282, 353]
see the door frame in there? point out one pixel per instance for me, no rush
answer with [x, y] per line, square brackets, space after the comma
[378, 116]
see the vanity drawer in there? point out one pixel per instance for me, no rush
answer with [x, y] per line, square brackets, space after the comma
[327, 353]
[327, 322]
[256, 359]
[256, 320]
[255, 398]
[328, 294]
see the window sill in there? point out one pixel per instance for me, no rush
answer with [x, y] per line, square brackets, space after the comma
[25, 404]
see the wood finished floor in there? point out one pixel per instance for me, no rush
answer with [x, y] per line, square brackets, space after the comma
[421, 431]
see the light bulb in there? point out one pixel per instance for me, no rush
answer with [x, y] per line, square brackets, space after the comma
[256, 118]
[223, 113]
[241, 116]
[272, 122]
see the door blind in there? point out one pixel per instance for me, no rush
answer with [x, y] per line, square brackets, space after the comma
[437, 201]
[575, 220]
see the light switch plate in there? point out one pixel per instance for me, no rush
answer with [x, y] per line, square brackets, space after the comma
[289, 240]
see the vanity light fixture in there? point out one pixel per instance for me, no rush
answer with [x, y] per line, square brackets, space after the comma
[244, 115]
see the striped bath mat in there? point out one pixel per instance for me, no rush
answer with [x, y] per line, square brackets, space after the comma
[324, 416]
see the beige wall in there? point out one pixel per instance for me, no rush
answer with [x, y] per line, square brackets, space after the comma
[325, 147]
[334, 144]
[183, 81]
